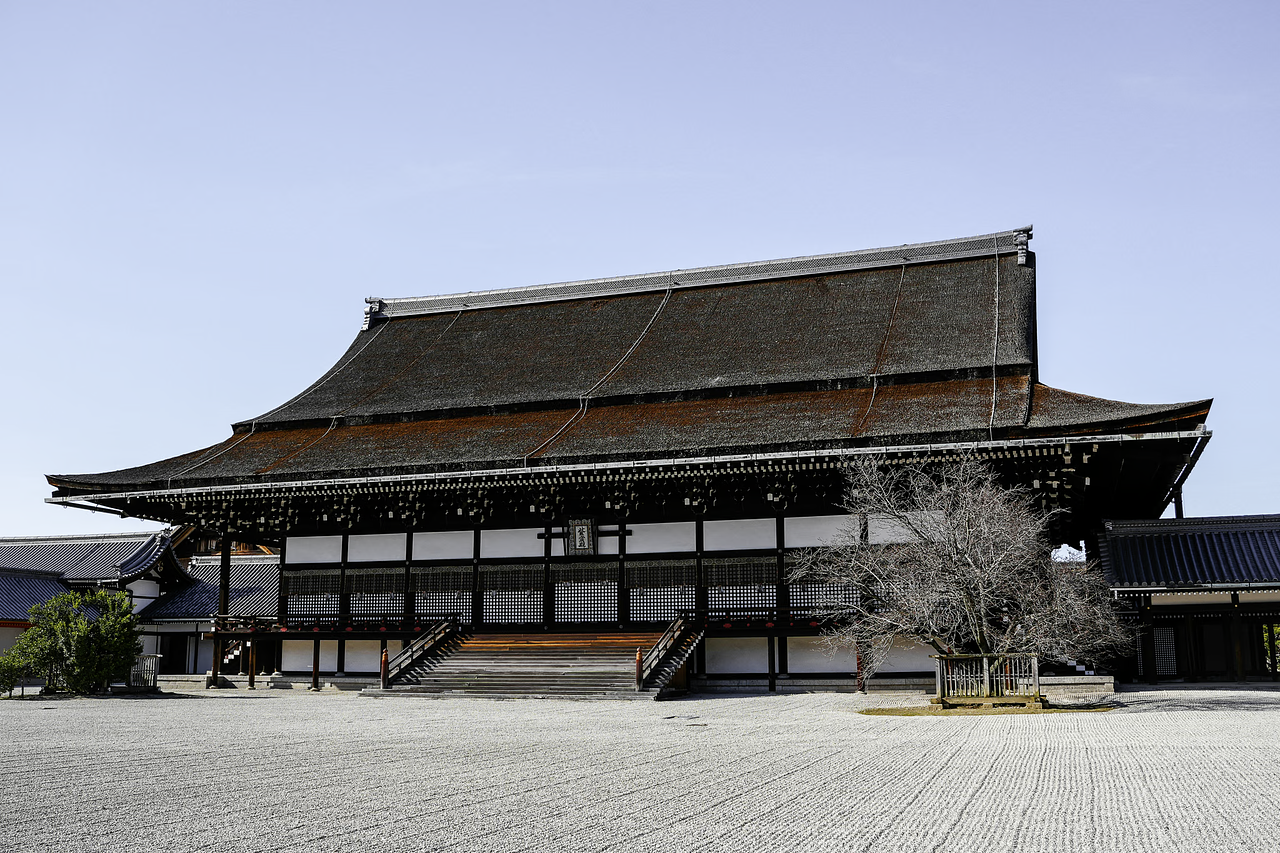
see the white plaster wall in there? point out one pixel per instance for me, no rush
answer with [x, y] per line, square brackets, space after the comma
[150, 644]
[1260, 597]
[8, 636]
[1192, 598]
[884, 531]
[144, 592]
[313, 549]
[520, 542]
[810, 531]
[673, 536]
[908, 656]
[737, 654]
[607, 544]
[739, 534]
[444, 545]
[364, 656]
[296, 655]
[376, 546]
[809, 654]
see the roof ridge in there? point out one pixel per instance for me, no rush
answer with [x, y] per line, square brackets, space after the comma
[86, 538]
[1189, 524]
[981, 245]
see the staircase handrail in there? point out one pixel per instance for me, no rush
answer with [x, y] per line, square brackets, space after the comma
[667, 645]
[425, 643]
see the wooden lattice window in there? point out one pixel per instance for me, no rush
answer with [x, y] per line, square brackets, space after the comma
[310, 593]
[512, 593]
[375, 592]
[741, 584]
[586, 592]
[1166, 650]
[443, 591]
[659, 589]
[816, 597]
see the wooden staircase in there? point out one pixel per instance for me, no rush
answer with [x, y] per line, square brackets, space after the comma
[576, 666]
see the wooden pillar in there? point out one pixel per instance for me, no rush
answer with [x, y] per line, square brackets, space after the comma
[548, 583]
[1237, 636]
[224, 575]
[315, 664]
[773, 665]
[215, 665]
[783, 666]
[409, 592]
[247, 651]
[624, 590]
[282, 595]
[700, 597]
[783, 597]
[344, 597]
[341, 665]
[278, 667]
[477, 583]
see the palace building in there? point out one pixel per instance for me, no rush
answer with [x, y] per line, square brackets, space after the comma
[638, 460]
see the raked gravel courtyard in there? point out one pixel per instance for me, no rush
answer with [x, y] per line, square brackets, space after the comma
[1175, 770]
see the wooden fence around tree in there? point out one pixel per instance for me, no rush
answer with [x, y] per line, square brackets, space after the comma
[987, 676]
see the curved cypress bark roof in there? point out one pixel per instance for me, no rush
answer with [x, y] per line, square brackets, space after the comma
[927, 343]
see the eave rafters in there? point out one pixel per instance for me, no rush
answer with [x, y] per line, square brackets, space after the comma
[1057, 470]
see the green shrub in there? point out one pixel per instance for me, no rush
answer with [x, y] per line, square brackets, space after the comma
[78, 641]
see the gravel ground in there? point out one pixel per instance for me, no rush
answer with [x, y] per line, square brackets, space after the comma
[1169, 770]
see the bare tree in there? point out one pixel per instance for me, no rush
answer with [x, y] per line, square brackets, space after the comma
[951, 558]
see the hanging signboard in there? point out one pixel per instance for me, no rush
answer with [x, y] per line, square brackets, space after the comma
[580, 540]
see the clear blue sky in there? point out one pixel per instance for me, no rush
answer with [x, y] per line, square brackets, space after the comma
[195, 198]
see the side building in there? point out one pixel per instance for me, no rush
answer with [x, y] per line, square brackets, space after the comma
[34, 569]
[1206, 592]
[601, 457]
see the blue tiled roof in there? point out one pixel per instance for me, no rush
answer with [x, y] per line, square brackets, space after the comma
[114, 557]
[20, 591]
[255, 585]
[1225, 551]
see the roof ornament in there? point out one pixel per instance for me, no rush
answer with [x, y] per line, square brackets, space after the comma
[374, 306]
[1021, 240]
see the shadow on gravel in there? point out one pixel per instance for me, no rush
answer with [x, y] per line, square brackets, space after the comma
[1217, 699]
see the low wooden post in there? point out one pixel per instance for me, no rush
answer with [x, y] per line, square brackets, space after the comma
[217, 659]
[315, 665]
[639, 668]
[383, 668]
